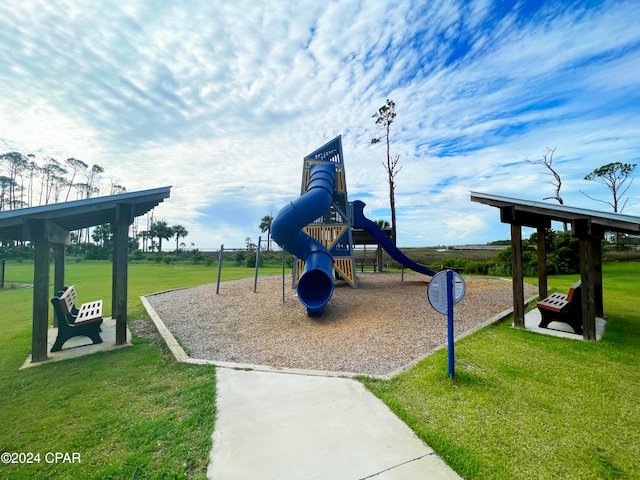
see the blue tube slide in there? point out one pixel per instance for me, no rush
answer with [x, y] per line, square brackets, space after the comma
[315, 286]
[360, 221]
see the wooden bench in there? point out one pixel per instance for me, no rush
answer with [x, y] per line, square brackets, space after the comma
[76, 322]
[559, 307]
[367, 262]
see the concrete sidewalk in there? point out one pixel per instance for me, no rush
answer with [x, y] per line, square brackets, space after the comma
[278, 426]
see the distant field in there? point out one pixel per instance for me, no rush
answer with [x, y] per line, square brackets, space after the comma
[431, 256]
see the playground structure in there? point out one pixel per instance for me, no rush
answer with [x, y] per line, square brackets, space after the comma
[316, 229]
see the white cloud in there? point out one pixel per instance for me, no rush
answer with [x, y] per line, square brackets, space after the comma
[223, 101]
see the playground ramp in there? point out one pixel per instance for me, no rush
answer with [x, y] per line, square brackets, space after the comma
[315, 286]
[360, 221]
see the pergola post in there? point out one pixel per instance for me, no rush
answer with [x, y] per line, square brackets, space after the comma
[590, 273]
[543, 288]
[516, 275]
[588, 290]
[40, 322]
[597, 276]
[58, 273]
[120, 229]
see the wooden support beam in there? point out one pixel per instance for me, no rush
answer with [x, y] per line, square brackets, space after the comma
[543, 289]
[588, 290]
[120, 276]
[597, 276]
[58, 275]
[527, 219]
[590, 238]
[40, 321]
[46, 229]
[516, 275]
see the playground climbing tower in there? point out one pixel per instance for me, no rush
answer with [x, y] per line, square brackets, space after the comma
[333, 229]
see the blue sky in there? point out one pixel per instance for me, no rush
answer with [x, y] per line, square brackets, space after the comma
[222, 100]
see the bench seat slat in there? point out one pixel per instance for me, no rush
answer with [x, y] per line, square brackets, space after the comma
[554, 302]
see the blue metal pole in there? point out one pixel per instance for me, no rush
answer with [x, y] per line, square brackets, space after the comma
[452, 367]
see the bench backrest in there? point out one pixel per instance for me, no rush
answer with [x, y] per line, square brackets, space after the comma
[574, 291]
[68, 299]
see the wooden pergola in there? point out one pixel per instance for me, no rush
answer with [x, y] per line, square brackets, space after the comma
[47, 227]
[589, 226]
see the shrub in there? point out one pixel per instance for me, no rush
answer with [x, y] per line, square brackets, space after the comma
[95, 252]
[19, 253]
[136, 255]
[240, 257]
[197, 256]
[251, 261]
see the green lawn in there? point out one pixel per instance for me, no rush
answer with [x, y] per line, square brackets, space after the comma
[527, 406]
[130, 413]
[522, 405]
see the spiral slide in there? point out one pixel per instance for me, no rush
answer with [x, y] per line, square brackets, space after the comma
[360, 221]
[315, 286]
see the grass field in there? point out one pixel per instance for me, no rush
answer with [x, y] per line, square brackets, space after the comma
[522, 405]
[525, 406]
[130, 413]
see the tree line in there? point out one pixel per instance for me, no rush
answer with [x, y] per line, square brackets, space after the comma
[28, 181]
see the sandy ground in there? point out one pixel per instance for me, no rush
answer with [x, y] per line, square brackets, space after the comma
[383, 325]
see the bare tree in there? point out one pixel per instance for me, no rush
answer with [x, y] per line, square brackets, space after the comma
[76, 166]
[614, 176]
[385, 116]
[33, 169]
[14, 165]
[52, 180]
[547, 161]
[93, 176]
[116, 187]
[5, 186]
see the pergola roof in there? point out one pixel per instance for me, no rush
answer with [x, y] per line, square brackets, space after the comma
[532, 213]
[79, 214]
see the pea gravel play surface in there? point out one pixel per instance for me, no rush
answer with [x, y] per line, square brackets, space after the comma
[383, 325]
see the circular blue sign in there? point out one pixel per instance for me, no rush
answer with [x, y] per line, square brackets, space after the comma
[437, 290]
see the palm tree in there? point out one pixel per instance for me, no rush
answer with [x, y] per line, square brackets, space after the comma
[160, 230]
[180, 232]
[265, 226]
